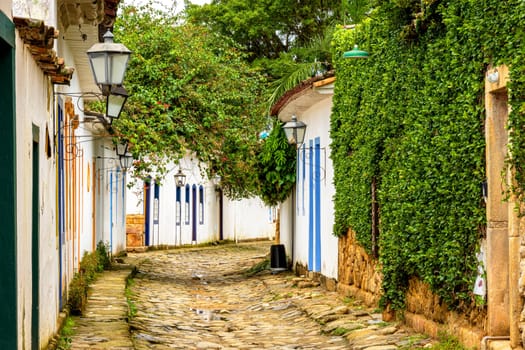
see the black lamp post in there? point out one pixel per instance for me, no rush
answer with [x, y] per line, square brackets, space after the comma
[295, 130]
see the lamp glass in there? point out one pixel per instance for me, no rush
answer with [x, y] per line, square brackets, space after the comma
[115, 102]
[216, 179]
[122, 149]
[118, 64]
[97, 62]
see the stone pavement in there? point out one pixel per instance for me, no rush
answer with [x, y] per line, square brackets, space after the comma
[200, 298]
[103, 324]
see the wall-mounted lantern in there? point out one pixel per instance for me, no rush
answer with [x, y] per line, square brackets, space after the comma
[180, 178]
[126, 161]
[295, 130]
[125, 157]
[108, 61]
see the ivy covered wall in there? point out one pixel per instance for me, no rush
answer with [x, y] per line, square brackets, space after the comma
[408, 134]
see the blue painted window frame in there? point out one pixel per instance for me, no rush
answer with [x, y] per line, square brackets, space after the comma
[201, 205]
[178, 205]
[187, 205]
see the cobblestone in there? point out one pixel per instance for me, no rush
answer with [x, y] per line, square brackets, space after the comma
[103, 324]
[201, 298]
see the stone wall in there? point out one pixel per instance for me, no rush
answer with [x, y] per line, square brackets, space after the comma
[327, 282]
[135, 230]
[426, 313]
[358, 272]
[360, 277]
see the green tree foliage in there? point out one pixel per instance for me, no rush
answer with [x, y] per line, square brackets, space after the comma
[276, 167]
[313, 59]
[190, 90]
[288, 40]
[265, 29]
[276, 162]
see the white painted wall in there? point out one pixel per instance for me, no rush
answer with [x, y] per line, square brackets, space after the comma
[34, 96]
[168, 227]
[317, 119]
[248, 219]
[109, 191]
[96, 178]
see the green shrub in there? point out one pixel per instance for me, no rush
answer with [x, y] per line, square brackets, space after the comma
[77, 294]
[90, 265]
[103, 254]
[64, 341]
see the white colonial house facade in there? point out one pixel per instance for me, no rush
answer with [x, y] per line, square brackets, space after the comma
[64, 188]
[196, 212]
[307, 216]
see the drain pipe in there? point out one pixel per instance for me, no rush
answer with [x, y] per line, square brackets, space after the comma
[488, 338]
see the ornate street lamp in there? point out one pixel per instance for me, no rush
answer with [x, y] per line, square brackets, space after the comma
[108, 61]
[125, 157]
[180, 178]
[295, 130]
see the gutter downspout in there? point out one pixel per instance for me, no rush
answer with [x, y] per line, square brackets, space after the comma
[488, 338]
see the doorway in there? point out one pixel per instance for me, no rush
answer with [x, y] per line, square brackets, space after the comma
[35, 246]
[314, 214]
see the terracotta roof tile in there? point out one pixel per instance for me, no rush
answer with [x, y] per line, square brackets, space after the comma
[40, 40]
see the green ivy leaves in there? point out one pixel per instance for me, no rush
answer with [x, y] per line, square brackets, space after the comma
[412, 117]
[276, 167]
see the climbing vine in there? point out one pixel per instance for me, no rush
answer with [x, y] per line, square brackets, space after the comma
[411, 117]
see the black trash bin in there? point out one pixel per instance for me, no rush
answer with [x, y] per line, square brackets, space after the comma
[278, 258]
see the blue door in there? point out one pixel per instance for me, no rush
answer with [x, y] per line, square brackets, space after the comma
[194, 213]
[147, 212]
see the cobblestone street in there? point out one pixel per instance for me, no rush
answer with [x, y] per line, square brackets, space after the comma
[202, 298]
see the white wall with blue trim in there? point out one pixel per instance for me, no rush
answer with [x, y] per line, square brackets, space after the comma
[307, 216]
[191, 214]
